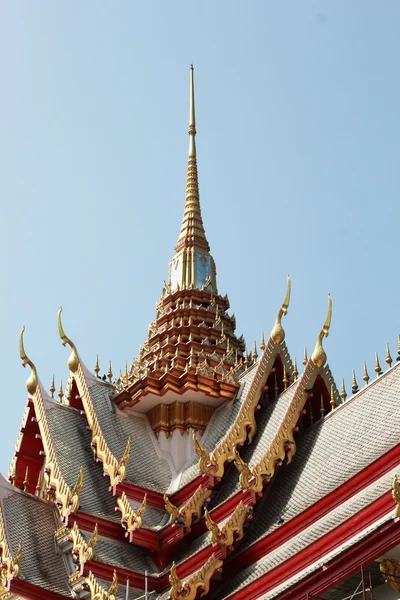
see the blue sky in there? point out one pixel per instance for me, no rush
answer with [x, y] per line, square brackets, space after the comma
[298, 145]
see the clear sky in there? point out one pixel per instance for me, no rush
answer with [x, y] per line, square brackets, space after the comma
[297, 109]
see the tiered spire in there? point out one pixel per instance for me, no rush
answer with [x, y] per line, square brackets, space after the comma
[192, 265]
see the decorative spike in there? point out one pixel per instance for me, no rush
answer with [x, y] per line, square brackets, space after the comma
[354, 384]
[343, 393]
[365, 376]
[295, 370]
[319, 355]
[285, 379]
[96, 366]
[388, 359]
[332, 400]
[377, 369]
[276, 386]
[39, 484]
[52, 387]
[246, 358]
[262, 344]
[305, 358]
[322, 409]
[311, 414]
[110, 373]
[26, 480]
[255, 354]
[60, 391]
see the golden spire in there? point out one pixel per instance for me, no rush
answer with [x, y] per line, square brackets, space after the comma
[255, 355]
[319, 355]
[33, 380]
[285, 379]
[305, 358]
[278, 333]
[377, 369]
[388, 359]
[96, 366]
[60, 391]
[343, 393]
[322, 408]
[295, 370]
[354, 384]
[52, 387]
[109, 373]
[262, 345]
[26, 480]
[332, 400]
[365, 376]
[192, 230]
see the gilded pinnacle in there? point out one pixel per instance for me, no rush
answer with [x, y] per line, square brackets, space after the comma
[354, 384]
[378, 369]
[388, 359]
[343, 393]
[332, 400]
[365, 376]
[319, 355]
[305, 358]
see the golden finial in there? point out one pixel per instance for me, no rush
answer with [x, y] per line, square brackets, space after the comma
[26, 480]
[246, 358]
[285, 378]
[377, 369]
[60, 391]
[39, 484]
[262, 344]
[96, 366]
[343, 393]
[305, 358]
[354, 384]
[319, 355]
[365, 376]
[322, 409]
[276, 386]
[295, 370]
[311, 414]
[398, 348]
[278, 333]
[255, 354]
[33, 381]
[109, 373]
[332, 400]
[52, 387]
[73, 361]
[388, 359]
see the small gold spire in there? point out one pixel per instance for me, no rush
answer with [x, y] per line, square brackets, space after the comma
[278, 333]
[52, 387]
[96, 366]
[262, 344]
[285, 379]
[322, 407]
[39, 485]
[365, 376]
[295, 370]
[311, 414]
[26, 480]
[354, 384]
[255, 354]
[305, 358]
[246, 358]
[109, 373]
[60, 391]
[377, 369]
[319, 355]
[343, 393]
[276, 386]
[33, 381]
[332, 400]
[388, 359]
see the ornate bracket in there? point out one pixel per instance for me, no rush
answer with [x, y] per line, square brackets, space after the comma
[232, 531]
[199, 580]
[91, 585]
[82, 551]
[130, 520]
[189, 511]
[10, 566]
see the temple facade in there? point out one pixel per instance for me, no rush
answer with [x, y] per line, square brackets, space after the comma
[204, 469]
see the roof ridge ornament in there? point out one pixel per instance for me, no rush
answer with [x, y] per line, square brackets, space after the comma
[278, 333]
[33, 380]
[73, 361]
[319, 355]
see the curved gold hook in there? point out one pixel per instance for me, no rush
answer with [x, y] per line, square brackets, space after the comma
[278, 333]
[73, 361]
[33, 381]
[319, 355]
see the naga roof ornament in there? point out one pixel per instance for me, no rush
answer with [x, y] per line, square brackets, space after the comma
[188, 589]
[189, 511]
[130, 519]
[278, 333]
[73, 361]
[233, 529]
[319, 355]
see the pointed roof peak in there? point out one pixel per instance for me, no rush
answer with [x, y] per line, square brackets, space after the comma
[192, 232]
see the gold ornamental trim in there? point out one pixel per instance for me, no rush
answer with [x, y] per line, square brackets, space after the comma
[82, 550]
[188, 589]
[179, 415]
[233, 529]
[65, 498]
[114, 468]
[189, 511]
[10, 566]
[396, 494]
[91, 585]
[252, 478]
[131, 519]
[390, 569]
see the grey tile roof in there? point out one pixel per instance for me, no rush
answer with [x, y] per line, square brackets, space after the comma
[122, 555]
[222, 418]
[145, 467]
[306, 537]
[34, 521]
